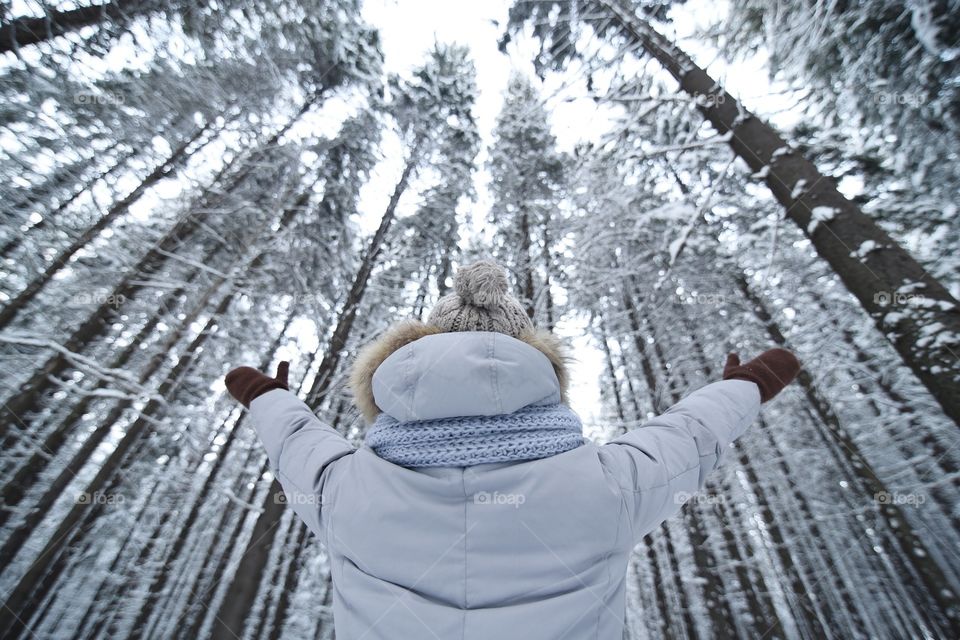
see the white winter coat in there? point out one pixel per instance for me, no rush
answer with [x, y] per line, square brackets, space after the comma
[527, 550]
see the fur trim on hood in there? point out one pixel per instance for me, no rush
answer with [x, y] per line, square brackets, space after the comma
[372, 356]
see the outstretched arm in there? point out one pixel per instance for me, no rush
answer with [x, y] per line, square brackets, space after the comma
[661, 464]
[302, 450]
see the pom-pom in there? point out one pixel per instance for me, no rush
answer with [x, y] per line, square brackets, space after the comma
[482, 284]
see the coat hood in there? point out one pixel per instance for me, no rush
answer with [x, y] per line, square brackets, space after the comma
[416, 372]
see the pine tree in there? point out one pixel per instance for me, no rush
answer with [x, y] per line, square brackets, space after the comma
[526, 173]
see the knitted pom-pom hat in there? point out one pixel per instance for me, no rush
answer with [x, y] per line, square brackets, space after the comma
[481, 302]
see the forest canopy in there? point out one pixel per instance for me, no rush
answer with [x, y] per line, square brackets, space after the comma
[187, 186]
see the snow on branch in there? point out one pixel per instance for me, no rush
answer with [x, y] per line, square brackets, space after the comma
[118, 378]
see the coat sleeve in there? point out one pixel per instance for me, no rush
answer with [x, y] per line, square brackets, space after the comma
[302, 452]
[659, 465]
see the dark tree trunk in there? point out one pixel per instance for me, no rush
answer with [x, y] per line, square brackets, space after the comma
[759, 606]
[348, 312]
[176, 160]
[27, 397]
[36, 583]
[934, 589]
[648, 542]
[160, 581]
[237, 603]
[612, 374]
[14, 243]
[547, 268]
[16, 488]
[526, 265]
[718, 610]
[805, 612]
[191, 630]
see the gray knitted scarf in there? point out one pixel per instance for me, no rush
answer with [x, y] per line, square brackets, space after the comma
[528, 434]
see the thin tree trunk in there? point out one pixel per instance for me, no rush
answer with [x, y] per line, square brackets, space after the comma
[14, 243]
[176, 160]
[759, 606]
[718, 612]
[192, 631]
[526, 266]
[935, 588]
[418, 304]
[278, 613]
[324, 629]
[648, 543]
[805, 611]
[348, 313]
[36, 583]
[38, 578]
[547, 264]
[932, 449]
[236, 604]
[80, 185]
[16, 488]
[158, 582]
[27, 397]
[919, 333]
[446, 262]
[612, 374]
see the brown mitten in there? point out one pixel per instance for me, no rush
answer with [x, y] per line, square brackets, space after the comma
[772, 370]
[246, 383]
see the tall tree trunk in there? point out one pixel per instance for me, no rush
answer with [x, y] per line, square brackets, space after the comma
[27, 397]
[176, 160]
[348, 312]
[16, 488]
[36, 583]
[14, 243]
[920, 334]
[937, 454]
[38, 578]
[718, 612]
[446, 262]
[612, 374]
[236, 604]
[664, 627]
[526, 265]
[547, 269]
[758, 604]
[186, 629]
[159, 581]
[934, 588]
[805, 610]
